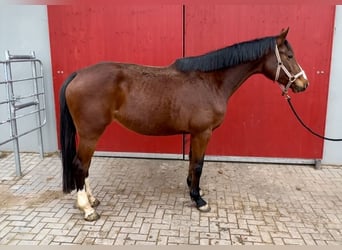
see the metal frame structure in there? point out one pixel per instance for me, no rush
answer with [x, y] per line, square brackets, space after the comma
[32, 104]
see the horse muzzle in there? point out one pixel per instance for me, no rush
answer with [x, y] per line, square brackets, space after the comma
[299, 85]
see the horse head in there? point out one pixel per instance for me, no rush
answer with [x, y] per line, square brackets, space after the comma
[282, 66]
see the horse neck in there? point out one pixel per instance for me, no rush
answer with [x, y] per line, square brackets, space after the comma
[234, 77]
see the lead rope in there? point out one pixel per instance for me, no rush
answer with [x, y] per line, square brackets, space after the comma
[288, 98]
[292, 78]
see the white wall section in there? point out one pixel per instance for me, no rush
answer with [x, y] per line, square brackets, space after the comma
[332, 151]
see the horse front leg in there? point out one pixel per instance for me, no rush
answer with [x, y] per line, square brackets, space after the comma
[198, 146]
[188, 179]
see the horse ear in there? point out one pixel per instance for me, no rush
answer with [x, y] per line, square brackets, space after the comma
[282, 36]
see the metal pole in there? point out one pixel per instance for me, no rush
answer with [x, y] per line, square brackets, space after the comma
[36, 91]
[12, 113]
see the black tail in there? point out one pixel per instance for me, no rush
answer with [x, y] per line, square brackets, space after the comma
[67, 138]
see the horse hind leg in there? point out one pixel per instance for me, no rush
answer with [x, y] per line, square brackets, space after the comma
[85, 199]
[93, 201]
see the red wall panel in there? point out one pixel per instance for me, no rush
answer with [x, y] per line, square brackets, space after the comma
[85, 34]
[259, 121]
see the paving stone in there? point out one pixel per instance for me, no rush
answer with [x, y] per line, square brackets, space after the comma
[143, 204]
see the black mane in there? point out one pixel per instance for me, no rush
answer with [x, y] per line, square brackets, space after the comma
[227, 57]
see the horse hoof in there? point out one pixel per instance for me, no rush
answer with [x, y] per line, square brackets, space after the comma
[95, 203]
[205, 208]
[92, 217]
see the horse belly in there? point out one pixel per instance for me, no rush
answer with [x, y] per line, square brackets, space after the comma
[147, 125]
[150, 119]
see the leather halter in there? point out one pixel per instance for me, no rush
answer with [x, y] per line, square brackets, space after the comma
[292, 77]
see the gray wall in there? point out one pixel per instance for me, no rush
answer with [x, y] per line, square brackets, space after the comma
[24, 28]
[332, 153]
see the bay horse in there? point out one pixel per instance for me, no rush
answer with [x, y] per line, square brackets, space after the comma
[187, 97]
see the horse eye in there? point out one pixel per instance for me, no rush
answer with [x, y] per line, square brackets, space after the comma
[290, 56]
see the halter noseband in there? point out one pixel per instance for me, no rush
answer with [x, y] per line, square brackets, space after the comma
[292, 78]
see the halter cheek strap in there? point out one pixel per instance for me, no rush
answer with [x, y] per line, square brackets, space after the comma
[281, 66]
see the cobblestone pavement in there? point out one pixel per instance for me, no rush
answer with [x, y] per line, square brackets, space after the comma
[146, 202]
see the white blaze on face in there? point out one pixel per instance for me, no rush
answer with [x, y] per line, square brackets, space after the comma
[304, 75]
